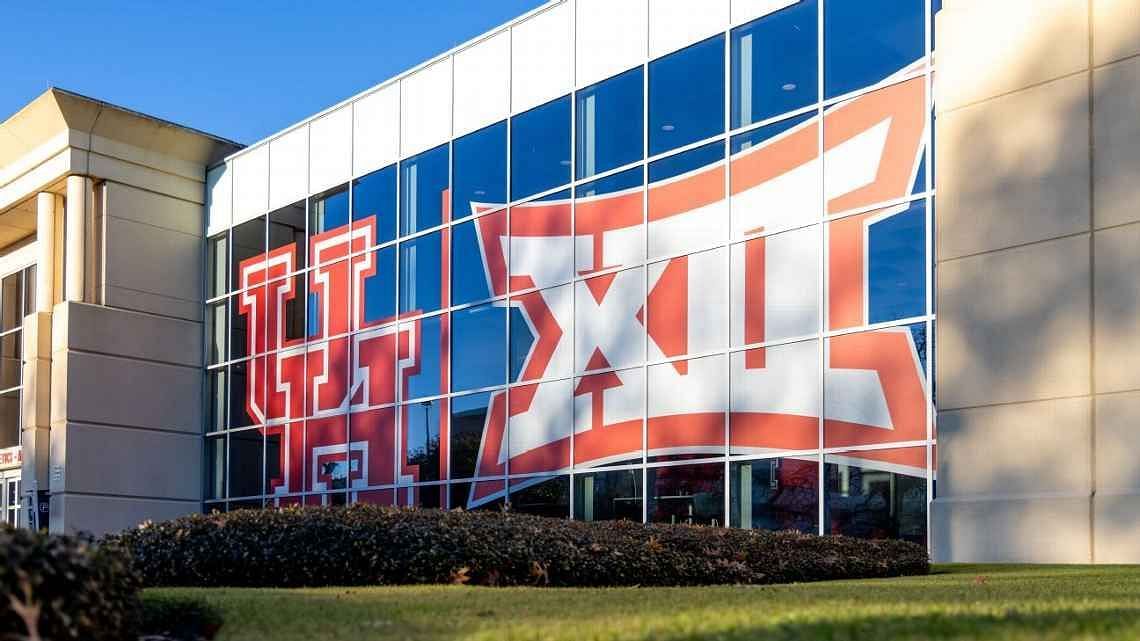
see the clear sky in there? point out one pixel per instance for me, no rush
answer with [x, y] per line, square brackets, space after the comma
[241, 69]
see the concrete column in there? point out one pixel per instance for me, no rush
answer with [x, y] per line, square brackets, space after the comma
[45, 260]
[79, 206]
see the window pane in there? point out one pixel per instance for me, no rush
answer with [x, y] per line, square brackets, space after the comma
[217, 316]
[775, 64]
[30, 290]
[243, 342]
[687, 400]
[248, 242]
[775, 494]
[878, 494]
[608, 412]
[686, 96]
[868, 40]
[10, 313]
[775, 177]
[326, 439]
[775, 398]
[469, 415]
[287, 225]
[10, 419]
[218, 271]
[374, 195]
[420, 274]
[247, 455]
[216, 468]
[423, 190]
[422, 455]
[609, 128]
[480, 495]
[877, 266]
[240, 391]
[692, 494]
[540, 148]
[688, 305]
[478, 347]
[607, 331]
[378, 299]
[538, 320]
[424, 336]
[607, 496]
[473, 275]
[372, 434]
[687, 207]
[328, 211]
[291, 326]
[543, 496]
[539, 427]
[480, 171]
[775, 287]
[609, 221]
[541, 245]
[216, 400]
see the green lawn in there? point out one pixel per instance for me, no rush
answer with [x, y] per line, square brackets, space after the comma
[955, 602]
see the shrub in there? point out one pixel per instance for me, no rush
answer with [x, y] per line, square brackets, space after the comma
[63, 587]
[370, 545]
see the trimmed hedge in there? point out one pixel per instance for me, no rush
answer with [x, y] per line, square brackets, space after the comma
[371, 545]
[66, 588]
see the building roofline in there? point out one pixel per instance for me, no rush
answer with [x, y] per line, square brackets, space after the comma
[396, 78]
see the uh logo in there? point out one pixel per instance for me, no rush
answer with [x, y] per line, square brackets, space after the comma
[590, 312]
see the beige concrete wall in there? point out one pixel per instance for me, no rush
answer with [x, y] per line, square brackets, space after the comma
[1038, 281]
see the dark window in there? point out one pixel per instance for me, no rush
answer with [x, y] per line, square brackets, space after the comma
[478, 347]
[468, 419]
[379, 295]
[238, 392]
[692, 494]
[374, 196]
[607, 496]
[240, 340]
[216, 331]
[293, 314]
[10, 418]
[867, 40]
[542, 496]
[775, 65]
[470, 278]
[609, 128]
[866, 500]
[10, 360]
[248, 242]
[216, 400]
[479, 173]
[425, 382]
[775, 494]
[420, 273]
[30, 290]
[540, 148]
[286, 226]
[422, 447]
[686, 96]
[328, 211]
[247, 454]
[216, 468]
[423, 188]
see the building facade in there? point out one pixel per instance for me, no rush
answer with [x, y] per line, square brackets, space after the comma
[658, 260]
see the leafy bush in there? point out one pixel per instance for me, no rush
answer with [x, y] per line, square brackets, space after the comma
[63, 587]
[369, 545]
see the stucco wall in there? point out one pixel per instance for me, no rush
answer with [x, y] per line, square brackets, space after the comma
[1038, 251]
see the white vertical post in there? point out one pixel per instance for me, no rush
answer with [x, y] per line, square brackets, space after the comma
[78, 208]
[45, 259]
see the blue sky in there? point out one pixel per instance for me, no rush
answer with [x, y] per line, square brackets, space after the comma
[241, 70]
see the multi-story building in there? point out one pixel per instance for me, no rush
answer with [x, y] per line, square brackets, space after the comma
[670, 261]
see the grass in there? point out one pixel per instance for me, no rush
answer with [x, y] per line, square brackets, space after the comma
[959, 602]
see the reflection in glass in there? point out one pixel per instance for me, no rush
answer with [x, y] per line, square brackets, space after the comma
[775, 64]
[248, 241]
[216, 468]
[692, 494]
[468, 419]
[609, 128]
[478, 347]
[374, 195]
[425, 334]
[216, 330]
[421, 445]
[867, 40]
[542, 496]
[218, 249]
[870, 498]
[216, 400]
[423, 190]
[328, 211]
[775, 494]
[540, 148]
[479, 171]
[470, 279]
[686, 96]
[287, 226]
[379, 296]
[247, 456]
[420, 274]
[608, 496]
[10, 418]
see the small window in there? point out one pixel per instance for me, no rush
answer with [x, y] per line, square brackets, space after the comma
[686, 96]
[775, 64]
[866, 41]
[420, 274]
[423, 188]
[374, 195]
[540, 149]
[610, 123]
[480, 171]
